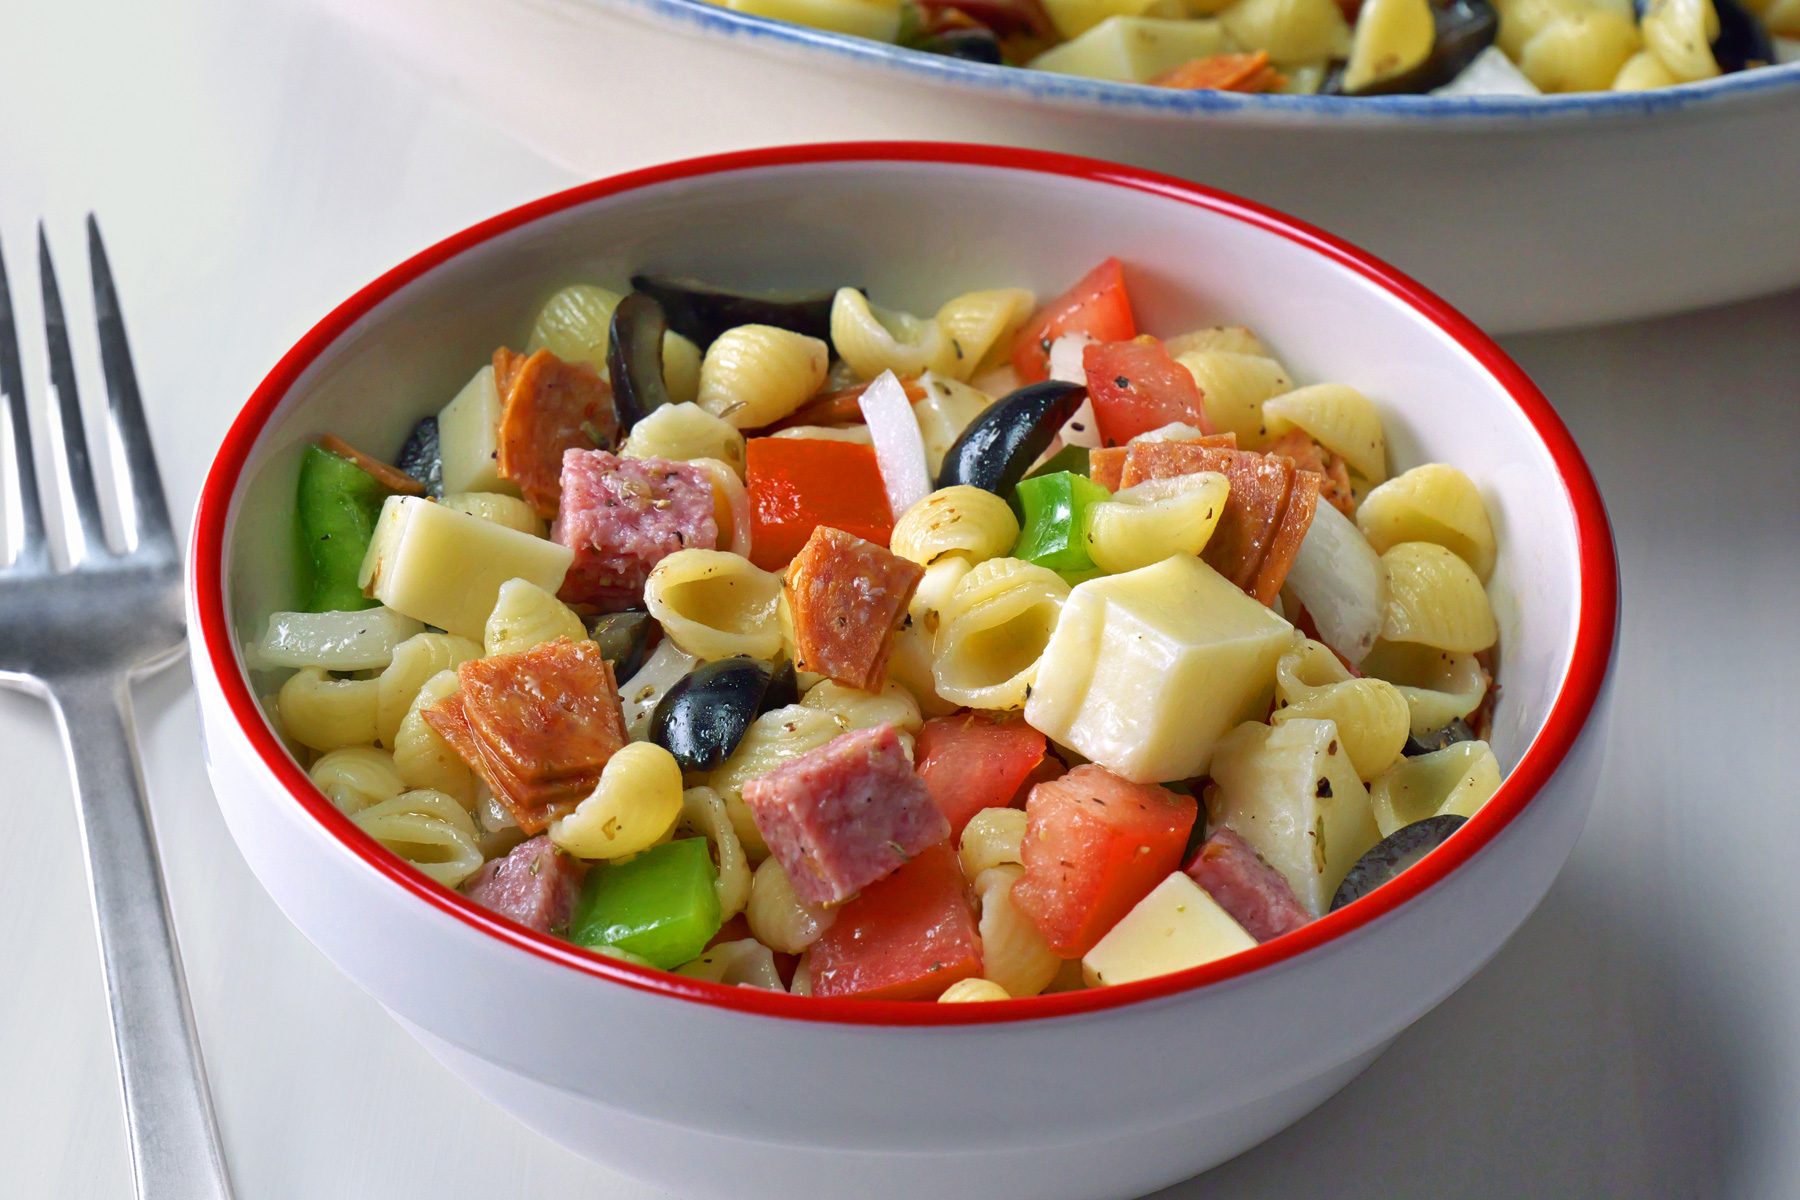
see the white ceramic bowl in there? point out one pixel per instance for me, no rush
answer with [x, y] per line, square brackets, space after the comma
[1526, 214]
[711, 1091]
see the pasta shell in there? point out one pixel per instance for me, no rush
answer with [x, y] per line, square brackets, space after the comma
[1456, 780]
[509, 511]
[1434, 599]
[964, 520]
[416, 659]
[980, 326]
[1438, 686]
[525, 615]
[356, 777]
[1233, 388]
[755, 375]
[714, 604]
[994, 630]
[428, 829]
[325, 713]
[1339, 418]
[873, 340]
[1014, 953]
[1233, 338]
[682, 432]
[1433, 503]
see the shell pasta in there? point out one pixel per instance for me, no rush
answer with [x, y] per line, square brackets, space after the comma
[856, 653]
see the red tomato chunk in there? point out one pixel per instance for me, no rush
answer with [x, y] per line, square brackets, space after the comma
[1137, 387]
[906, 938]
[797, 485]
[1097, 306]
[1095, 845]
[973, 761]
[845, 815]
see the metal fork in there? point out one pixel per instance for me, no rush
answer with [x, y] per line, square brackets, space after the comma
[75, 632]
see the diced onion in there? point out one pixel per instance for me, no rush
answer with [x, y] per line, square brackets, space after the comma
[899, 446]
[1337, 576]
[362, 640]
[1065, 358]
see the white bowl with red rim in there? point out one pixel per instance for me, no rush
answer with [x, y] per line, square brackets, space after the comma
[715, 1091]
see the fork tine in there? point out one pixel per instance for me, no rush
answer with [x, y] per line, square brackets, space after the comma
[149, 514]
[32, 548]
[87, 537]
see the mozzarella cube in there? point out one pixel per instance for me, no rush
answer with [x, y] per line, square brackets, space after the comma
[1148, 669]
[1292, 793]
[1175, 927]
[469, 438]
[444, 567]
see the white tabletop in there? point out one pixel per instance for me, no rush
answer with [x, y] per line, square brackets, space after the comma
[252, 163]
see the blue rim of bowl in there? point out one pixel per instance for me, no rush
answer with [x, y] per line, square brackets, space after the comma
[1078, 91]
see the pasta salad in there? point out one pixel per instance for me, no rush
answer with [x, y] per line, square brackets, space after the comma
[1334, 47]
[806, 644]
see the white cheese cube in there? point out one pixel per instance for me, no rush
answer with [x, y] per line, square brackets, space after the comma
[1292, 793]
[1128, 49]
[444, 567]
[1148, 669]
[1175, 927]
[469, 438]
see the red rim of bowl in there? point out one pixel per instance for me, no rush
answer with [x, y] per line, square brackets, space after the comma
[1592, 652]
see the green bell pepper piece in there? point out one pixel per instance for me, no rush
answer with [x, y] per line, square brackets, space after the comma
[337, 505]
[660, 905]
[1054, 530]
[1069, 458]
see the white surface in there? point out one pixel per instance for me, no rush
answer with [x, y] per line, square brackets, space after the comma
[1637, 1038]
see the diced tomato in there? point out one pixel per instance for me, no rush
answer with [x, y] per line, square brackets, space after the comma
[908, 937]
[1048, 767]
[1137, 387]
[1097, 306]
[799, 484]
[1095, 844]
[973, 761]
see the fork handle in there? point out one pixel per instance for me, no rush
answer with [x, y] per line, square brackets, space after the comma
[175, 1152]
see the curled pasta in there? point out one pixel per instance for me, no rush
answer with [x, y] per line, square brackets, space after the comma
[356, 777]
[993, 837]
[632, 807]
[1149, 521]
[947, 409]
[857, 709]
[1580, 51]
[873, 340]
[499, 508]
[429, 830]
[993, 632]
[525, 615]
[1339, 418]
[325, 713]
[754, 375]
[909, 665]
[1371, 715]
[680, 432]
[1642, 72]
[1438, 686]
[1435, 599]
[970, 521]
[743, 963]
[778, 918]
[703, 814]
[416, 659]
[1235, 339]
[1391, 37]
[1431, 503]
[1292, 31]
[1456, 780]
[575, 324]
[774, 738]
[426, 760]
[1014, 953]
[1681, 33]
[980, 326]
[1233, 388]
[973, 991]
[715, 604]
[640, 694]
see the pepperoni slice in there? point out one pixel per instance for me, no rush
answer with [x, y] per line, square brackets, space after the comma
[533, 806]
[1333, 472]
[847, 597]
[550, 714]
[1290, 531]
[391, 478]
[548, 406]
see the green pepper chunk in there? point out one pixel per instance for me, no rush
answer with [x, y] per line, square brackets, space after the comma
[338, 503]
[660, 905]
[1069, 458]
[1053, 532]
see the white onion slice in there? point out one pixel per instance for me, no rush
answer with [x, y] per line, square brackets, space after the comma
[899, 446]
[338, 641]
[1337, 576]
[1065, 358]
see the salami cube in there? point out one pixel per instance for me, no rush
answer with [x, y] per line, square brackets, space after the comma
[1257, 896]
[547, 406]
[1332, 470]
[840, 817]
[622, 516]
[535, 885]
[907, 937]
[847, 597]
[1095, 844]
